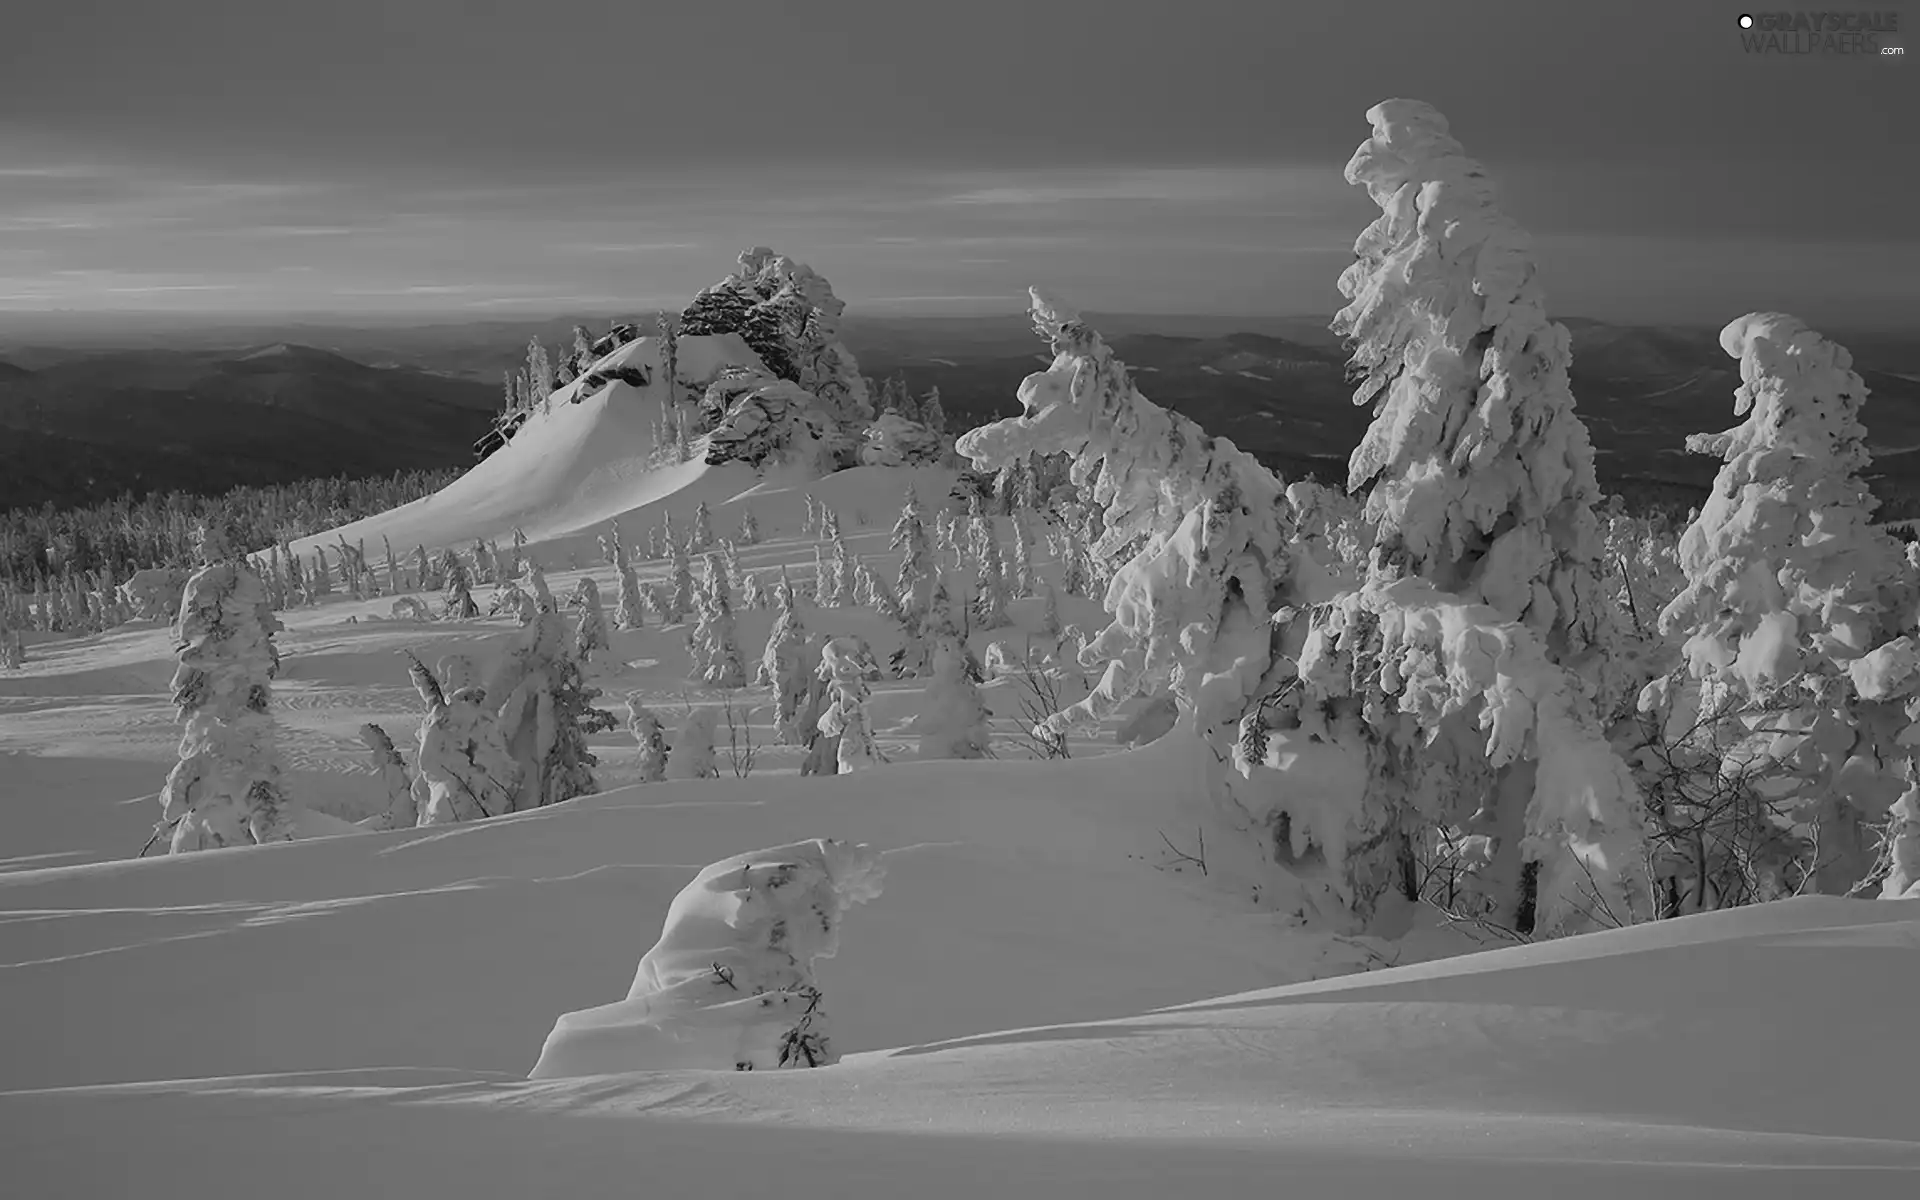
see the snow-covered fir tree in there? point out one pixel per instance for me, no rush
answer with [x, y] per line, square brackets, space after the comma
[990, 585]
[914, 584]
[1208, 603]
[649, 736]
[590, 635]
[811, 526]
[1902, 881]
[754, 594]
[395, 792]
[692, 756]
[226, 789]
[466, 773]
[841, 568]
[865, 587]
[536, 586]
[629, 611]
[730, 564]
[1788, 582]
[539, 372]
[702, 536]
[1021, 573]
[458, 599]
[749, 527]
[1049, 614]
[1477, 471]
[825, 579]
[845, 665]
[953, 720]
[785, 665]
[680, 586]
[717, 652]
[546, 713]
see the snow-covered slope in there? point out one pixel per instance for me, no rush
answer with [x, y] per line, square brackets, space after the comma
[359, 1012]
[572, 466]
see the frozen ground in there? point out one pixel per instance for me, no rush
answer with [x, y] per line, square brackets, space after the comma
[1043, 1002]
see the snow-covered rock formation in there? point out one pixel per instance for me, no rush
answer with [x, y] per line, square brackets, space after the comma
[787, 313]
[730, 984]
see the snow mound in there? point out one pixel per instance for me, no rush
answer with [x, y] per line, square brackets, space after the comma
[730, 982]
[578, 462]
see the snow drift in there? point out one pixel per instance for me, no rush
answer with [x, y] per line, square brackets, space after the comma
[730, 983]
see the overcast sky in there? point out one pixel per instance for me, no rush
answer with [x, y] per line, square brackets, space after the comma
[487, 157]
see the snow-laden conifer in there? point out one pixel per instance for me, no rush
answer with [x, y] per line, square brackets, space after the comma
[1211, 573]
[466, 771]
[825, 579]
[845, 665]
[717, 647]
[1788, 583]
[590, 635]
[702, 536]
[1478, 473]
[749, 527]
[692, 756]
[754, 594]
[1021, 569]
[1903, 845]
[680, 586]
[953, 720]
[648, 734]
[990, 586]
[785, 666]
[226, 789]
[546, 714]
[458, 599]
[395, 786]
[844, 580]
[629, 610]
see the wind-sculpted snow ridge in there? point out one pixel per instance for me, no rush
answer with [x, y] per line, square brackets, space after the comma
[1479, 473]
[1214, 522]
[730, 983]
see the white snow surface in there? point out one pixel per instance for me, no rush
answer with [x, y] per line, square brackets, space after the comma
[572, 466]
[1044, 1001]
[1005, 1005]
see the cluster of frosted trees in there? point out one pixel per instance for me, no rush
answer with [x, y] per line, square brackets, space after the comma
[491, 742]
[1429, 688]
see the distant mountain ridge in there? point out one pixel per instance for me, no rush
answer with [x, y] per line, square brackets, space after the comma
[91, 423]
[93, 427]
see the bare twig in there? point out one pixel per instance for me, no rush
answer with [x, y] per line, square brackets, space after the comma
[1198, 860]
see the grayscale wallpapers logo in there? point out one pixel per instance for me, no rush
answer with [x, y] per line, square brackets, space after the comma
[1849, 34]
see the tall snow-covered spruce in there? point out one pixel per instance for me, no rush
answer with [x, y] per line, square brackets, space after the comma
[225, 790]
[1432, 695]
[1788, 584]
